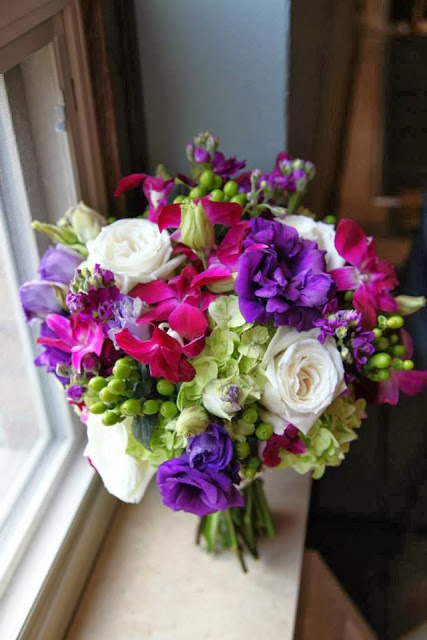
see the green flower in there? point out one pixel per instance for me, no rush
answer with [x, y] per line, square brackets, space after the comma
[165, 443]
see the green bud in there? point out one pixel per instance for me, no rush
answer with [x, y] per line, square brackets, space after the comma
[381, 344]
[409, 304]
[64, 235]
[395, 322]
[178, 199]
[394, 338]
[377, 332]
[131, 407]
[116, 386]
[230, 188]
[399, 350]
[329, 219]
[122, 369]
[250, 473]
[98, 408]
[192, 421]
[197, 231]
[396, 364]
[97, 383]
[85, 222]
[168, 409]
[207, 179]
[240, 198]
[150, 407]
[197, 192]
[408, 365]
[348, 296]
[218, 182]
[242, 450]
[383, 375]
[250, 415]
[107, 396]
[264, 431]
[165, 388]
[382, 322]
[110, 418]
[217, 195]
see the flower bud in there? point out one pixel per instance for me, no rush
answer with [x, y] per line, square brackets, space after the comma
[221, 399]
[85, 222]
[223, 286]
[197, 231]
[192, 421]
[409, 304]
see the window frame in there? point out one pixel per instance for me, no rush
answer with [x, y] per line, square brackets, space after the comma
[59, 558]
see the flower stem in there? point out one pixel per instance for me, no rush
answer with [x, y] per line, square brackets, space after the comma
[234, 541]
[263, 508]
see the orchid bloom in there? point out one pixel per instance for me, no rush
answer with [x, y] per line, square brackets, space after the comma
[226, 213]
[181, 303]
[290, 441]
[163, 354]
[155, 189]
[408, 382]
[77, 334]
[370, 278]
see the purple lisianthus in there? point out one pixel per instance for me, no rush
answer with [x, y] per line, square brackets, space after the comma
[212, 449]
[38, 299]
[282, 277]
[184, 488]
[58, 264]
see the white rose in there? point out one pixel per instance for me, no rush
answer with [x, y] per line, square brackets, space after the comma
[320, 232]
[123, 476]
[303, 377]
[135, 250]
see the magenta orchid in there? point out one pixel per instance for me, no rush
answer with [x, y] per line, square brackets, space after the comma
[370, 278]
[163, 354]
[408, 382]
[155, 189]
[77, 334]
[226, 213]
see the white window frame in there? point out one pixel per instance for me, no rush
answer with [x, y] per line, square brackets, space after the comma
[49, 575]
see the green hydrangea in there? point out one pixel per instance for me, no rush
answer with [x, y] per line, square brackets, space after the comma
[329, 439]
[165, 444]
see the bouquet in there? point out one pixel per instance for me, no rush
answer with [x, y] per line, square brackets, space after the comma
[222, 331]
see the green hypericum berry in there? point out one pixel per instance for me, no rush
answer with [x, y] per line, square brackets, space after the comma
[377, 332]
[131, 407]
[250, 473]
[383, 375]
[110, 418]
[264, 431]
[207, 179]
[98, 408]
[329, 219]
[254, 463]
[168, 409]
[382, 322]
[397, 364]
[408, 365]
[165, 388]
[382, 344]
[240, 198]
[380, 361]
[107, 396]
[395, 322]
[217, 195]
[250, 415]
[394, 338]
[348, 296]
[178, 199]
[218, 182]
[122, 369]
[242, 450]
[97, 383]
[399, 350]
[197, 192]
[150, 407]
[116, 386]
[230, 188]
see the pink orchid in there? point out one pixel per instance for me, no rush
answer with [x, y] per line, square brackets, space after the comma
[155, 189]
[77, 334]
[408, 382]
[163, 354]
[181, 303]
[226, 213]
[290, 441]
[371, 279]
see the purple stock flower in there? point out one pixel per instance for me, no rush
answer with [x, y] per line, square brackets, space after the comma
[38, 299]
[201, 155]
[58, 264]
[94, 294]
[212, 449]
[282, 277]
[184, 488]
[226, 167]
[75, 392]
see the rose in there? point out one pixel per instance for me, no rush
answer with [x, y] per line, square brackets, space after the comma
[184, 488]
[123, 476]
[135, 251]
[303, 378]
[320, 232]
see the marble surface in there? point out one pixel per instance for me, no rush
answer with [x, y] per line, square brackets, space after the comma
[151, 581]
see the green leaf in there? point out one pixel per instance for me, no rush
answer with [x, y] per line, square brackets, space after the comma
[142, 429]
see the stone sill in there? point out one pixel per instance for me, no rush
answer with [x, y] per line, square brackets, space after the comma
[151, 581]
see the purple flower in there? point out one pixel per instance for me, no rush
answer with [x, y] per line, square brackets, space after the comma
[75, 393]
[55, 360]
[226, 167]
[58, 264]
[201, 155]
[184, 488]
[38, 299]
[94, 294]
[212, 449]
[126, 311]
[282, 277]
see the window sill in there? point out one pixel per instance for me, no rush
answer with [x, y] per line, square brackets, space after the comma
[150, 580]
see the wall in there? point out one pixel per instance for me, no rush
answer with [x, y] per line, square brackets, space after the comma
[220, 66]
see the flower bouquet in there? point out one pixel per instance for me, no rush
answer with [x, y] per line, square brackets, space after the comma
[222, 331]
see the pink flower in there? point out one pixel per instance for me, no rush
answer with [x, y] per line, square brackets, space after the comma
[370, 278]
[163, 354]
[409, 382]
[77, 334]
[226, 213]
[155, 189]
[290, 441]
